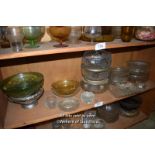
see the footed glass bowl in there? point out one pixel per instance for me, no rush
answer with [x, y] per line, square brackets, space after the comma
[65, 88]
[22, 84]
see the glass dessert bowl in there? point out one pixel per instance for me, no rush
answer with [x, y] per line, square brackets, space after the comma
[65, 88]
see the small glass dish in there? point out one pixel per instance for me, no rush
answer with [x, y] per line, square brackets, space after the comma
[87, 97]
[51, 101]
[99, 123]
[65, 88]
[69, 104]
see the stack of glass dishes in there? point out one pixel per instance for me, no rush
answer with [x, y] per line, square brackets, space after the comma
[119, 75]
[95, 70]
[24, 88]
[139, 72]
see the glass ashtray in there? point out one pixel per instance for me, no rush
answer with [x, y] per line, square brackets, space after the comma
[69, 104]
[87, 97]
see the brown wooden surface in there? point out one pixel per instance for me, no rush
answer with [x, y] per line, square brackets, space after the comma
[3, 107]
[121, 123]
[48, 49]
[17, 116]
[126, 122]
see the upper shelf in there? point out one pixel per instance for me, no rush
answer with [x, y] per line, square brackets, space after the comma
[48, 49]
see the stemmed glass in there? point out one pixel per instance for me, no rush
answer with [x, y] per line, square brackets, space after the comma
[60, 34]
[92, 32]
[33, 34]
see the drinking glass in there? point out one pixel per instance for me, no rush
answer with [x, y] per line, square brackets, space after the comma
[33, 34]
[75, 34]
[60, 34]
[15, 37]
[92, 32]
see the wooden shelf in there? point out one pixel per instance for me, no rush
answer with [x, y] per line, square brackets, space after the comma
[126, 122]
[121, 123]
[16, 116]
[48, 49]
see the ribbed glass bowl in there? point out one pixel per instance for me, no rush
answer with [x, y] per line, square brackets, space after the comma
[22, 84]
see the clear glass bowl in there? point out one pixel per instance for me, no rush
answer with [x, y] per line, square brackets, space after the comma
[97, 59]
[95, 88]
[87, 97]
[69, 104]
[119, 75]
[95, 74]
[138, 66]
[51, 101]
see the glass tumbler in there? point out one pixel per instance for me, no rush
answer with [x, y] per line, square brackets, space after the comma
[15, 37]
[75, 34]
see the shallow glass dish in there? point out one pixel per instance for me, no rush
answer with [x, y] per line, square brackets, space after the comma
[69, 104]
[65, 88]
[22, 84]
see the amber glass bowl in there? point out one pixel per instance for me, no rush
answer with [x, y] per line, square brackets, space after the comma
[65, 88]
[59, 34]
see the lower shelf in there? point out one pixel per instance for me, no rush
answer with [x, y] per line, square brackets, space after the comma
[126, 122]
[16, 116]
[121, 123]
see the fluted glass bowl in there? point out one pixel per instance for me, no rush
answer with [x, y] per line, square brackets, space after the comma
[22, 84]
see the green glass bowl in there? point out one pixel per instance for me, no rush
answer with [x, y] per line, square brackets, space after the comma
[33, 32]
[22, 84]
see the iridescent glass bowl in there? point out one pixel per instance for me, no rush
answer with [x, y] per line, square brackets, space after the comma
[33, 34]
